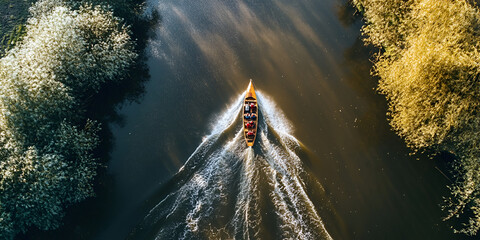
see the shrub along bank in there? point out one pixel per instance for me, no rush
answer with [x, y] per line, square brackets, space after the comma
[429, 71]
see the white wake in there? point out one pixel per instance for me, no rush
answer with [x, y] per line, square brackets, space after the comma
[226, 190]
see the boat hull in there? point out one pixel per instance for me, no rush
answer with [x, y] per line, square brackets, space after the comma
[250, 115]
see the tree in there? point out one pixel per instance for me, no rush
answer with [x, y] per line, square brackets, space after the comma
[431, 82]
[46, 160]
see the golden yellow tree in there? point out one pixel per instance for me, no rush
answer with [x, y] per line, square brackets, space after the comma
[429, 72]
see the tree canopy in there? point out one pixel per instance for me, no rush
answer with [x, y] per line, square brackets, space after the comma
[46, 160]
[429, 72]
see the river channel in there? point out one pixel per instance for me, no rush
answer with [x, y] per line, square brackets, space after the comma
[328, 165]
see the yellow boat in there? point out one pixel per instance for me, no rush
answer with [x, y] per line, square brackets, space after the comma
[250, 115]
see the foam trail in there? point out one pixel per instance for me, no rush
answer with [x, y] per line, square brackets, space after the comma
[226, 190]
[247, 215]
[225, 121]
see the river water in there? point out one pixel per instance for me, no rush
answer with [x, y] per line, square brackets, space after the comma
[326, 164]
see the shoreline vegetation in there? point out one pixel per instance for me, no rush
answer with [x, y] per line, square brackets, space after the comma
[429, 71]
[68, 52]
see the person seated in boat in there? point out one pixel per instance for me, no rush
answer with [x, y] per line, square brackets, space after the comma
[247, 116]
[253, 117]
[253, 107]
[247, 108]
[248, 125]
[250, 134]
[252, 124]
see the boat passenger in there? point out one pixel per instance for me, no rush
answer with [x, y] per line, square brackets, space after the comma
[248, 125]
[247, 108]
[247, 116]
[253, 117]
[253, 107]
[250, 133]
[252, 124]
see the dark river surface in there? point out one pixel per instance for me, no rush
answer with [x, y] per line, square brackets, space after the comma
[326, 166]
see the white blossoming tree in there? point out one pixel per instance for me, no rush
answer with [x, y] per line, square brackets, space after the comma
[46, 160]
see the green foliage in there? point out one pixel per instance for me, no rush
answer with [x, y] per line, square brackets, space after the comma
[432, 84]
[46, 160]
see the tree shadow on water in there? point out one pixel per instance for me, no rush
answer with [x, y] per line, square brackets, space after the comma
[347, 14]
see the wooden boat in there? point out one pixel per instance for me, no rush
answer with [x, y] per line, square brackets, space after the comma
[250, 124]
